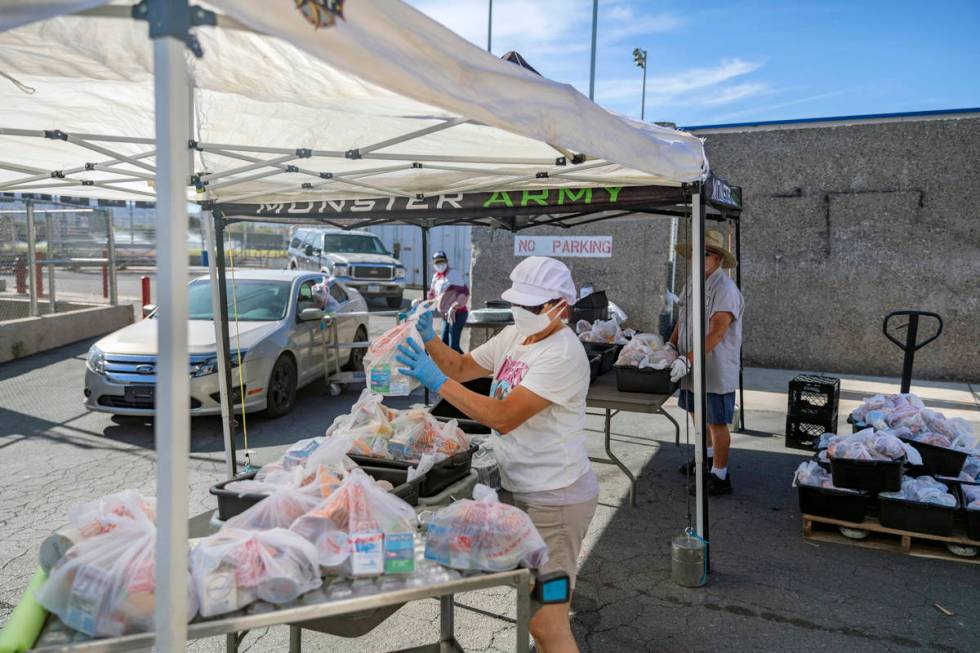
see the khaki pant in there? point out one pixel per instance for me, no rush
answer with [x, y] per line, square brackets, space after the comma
[562, 528]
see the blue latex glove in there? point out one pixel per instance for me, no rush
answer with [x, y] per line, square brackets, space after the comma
[420, 365]
[424, 325]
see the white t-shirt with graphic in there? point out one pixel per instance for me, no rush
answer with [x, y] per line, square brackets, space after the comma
[547, 452]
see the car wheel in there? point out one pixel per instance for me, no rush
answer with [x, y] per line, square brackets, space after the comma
[356, 361]
[281, 391]
[394, 302]
[292, 265]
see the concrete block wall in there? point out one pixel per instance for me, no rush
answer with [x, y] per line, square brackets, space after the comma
[842, 224]
[30, 335]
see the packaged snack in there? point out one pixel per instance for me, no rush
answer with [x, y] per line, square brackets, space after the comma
[380, 366]
[484, 534]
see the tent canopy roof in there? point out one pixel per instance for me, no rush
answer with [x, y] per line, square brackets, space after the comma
[384, 103]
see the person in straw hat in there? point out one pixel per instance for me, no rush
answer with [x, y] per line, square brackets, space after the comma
[722, 347]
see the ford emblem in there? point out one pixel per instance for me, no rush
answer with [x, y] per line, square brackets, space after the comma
[144, 369]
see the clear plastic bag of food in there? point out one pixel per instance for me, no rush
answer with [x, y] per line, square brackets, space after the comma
[924, 489]
[484, 534]
[971, 496]
[96, 517]
[380, 366]
[357, 511]
[647, 350]
[105, 585]
[235, 567]
[812, 474]
[871, 445]
[417, 433]
[278, 510]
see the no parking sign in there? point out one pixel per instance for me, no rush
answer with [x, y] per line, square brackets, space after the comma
[567, 246]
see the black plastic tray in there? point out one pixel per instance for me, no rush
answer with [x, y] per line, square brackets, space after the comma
[856, 426]
[649, 381]
[939, 460]
[609, 353]
[232, 503]
[444, 411]
[867, 475]
[595, 367]
[443, 474]
[917, 517]
[833, 503]
[972, 516]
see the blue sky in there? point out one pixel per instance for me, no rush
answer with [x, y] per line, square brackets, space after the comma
[723, 62]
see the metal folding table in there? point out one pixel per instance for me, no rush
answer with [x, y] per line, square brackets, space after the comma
[603, 394]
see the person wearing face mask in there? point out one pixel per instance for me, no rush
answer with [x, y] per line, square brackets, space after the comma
[722, 347]
[450, 290]
[536, 410]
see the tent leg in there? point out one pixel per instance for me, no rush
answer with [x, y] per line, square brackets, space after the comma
[738, 283]
[224, 346]
[172, 415]
[220, 337]
[425, 278]
[698, 376]
[32, 258]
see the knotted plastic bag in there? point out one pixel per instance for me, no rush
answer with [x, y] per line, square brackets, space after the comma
[105, 585]
[924, 489]
[235, 567]
[368, 425]
[484, 534]
[812, 474]
[358, 507]
[278, 510]
[418, 433]
[380, 366]
[102, 515]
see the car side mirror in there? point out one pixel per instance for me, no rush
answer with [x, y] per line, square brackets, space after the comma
[309, 250]
[148, 308]
[310, 314]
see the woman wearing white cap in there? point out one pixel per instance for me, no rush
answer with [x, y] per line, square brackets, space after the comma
[537, 413]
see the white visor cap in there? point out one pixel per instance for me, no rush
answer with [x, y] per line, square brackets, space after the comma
[539, 279]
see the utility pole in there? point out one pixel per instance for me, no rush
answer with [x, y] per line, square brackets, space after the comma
[489, 25]
[640, 57]
[595, 22]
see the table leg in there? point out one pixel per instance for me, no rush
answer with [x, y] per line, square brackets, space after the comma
[231, 643]
[612, 459]
[447, 628]
[295, 639]
[523, 613]
[677, 428]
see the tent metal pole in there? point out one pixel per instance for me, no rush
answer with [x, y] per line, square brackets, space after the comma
[107, 152]
[425, 278]
[224, 347]
[738, 284]
[110, 233]
[252, 166]
[380, 145]
[32, 259]
[49, 255]
[172, 409]
[221, 339]
[698, 376]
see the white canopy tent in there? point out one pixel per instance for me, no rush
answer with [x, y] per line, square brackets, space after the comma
[375, 101]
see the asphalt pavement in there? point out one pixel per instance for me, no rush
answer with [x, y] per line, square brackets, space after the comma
[769, 590]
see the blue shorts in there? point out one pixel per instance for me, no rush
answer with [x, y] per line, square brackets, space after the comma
[721, 408]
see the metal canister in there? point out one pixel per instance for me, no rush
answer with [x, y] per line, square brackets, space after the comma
[687, 561]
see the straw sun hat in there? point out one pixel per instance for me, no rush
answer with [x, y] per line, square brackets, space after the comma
[713, 242]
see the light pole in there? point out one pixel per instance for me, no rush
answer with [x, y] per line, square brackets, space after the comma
[640, 57]
[489, 24]
[595, 23]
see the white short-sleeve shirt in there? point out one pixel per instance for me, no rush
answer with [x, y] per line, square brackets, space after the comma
[547, 452]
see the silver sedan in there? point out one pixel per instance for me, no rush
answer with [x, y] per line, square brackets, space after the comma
[276, 336]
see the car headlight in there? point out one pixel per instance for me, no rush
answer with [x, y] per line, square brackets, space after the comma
[399, 272]
[339, 269]
[210, 365]
[96, 360]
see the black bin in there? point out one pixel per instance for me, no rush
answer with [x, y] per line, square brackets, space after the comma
[833, 503]
[591, 308]
[855, 424]
[905, 515]
[443, 474]
[867, 475]
[940, 461]
[232, 503]
[595, 367]
[646, 380]
[407, 491]
[609, 353]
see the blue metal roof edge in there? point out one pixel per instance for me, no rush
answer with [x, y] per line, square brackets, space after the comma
[803, 121]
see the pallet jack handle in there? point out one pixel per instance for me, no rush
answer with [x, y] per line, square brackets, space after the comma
[910, 346]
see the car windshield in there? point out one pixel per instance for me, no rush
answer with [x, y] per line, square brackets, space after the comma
[352, 244]
[256, 300]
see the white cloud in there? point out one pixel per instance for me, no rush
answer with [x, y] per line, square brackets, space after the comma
[731, 94]
[667, 89]
[781, 105]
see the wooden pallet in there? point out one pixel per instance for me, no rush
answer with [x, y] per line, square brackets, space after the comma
[920, 545]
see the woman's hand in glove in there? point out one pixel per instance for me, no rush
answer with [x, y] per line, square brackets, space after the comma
[419, 364]
[424, 326]
[678, 369]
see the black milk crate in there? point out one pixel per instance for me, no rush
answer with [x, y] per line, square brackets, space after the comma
[917, 517]
[231, 503]
[940, 461]
[591, 308]
[443, 474]
[609, 353]
[833, 503]
[814, 396]
[646, 380]
[804, 432]
[868, 475]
